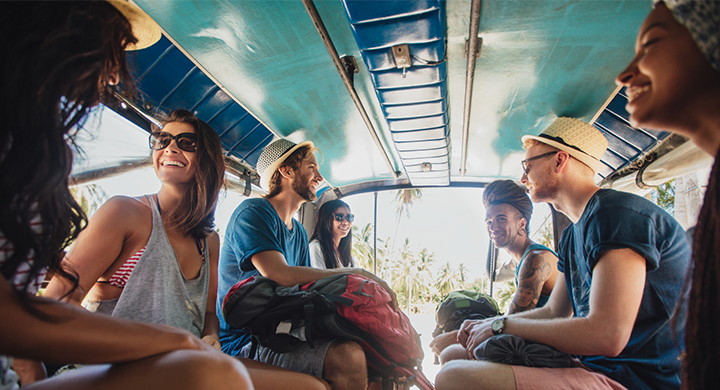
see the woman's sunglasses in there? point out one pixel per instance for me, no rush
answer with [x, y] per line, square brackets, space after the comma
[340, 216]
[160, 140]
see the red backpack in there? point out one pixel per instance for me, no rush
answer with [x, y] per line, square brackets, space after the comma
[344, 306]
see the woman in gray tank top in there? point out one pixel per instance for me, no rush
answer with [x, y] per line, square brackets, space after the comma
[154, 258]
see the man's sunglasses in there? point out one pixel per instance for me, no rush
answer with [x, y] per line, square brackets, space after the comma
[160, 140]
[340, 216]
[527, 160]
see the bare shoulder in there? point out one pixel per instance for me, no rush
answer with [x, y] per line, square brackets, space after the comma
[542, 254]
[119, 211]
[213, 241]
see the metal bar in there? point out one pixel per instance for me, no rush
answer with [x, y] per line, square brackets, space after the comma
[469, 77]
[320, 26]
[135, 108]
[104, 173]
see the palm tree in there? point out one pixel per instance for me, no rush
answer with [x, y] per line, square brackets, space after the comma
[462, 273]
[446, 280]
[362, 250]
[404, 199]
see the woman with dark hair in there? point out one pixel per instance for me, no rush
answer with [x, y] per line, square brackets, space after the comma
[673, 83]
[58, 59]
[331, 242]
[154, 258]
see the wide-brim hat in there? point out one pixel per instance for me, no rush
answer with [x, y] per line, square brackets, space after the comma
[580, 140]
[144, 28]
[274, 155]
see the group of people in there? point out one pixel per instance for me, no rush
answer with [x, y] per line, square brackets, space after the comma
[613, 294]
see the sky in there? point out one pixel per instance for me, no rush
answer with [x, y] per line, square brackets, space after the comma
[449, 222]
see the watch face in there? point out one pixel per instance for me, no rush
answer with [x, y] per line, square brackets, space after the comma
[497, 325]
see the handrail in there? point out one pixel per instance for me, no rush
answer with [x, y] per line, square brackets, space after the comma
[472, 53]
[320, 26]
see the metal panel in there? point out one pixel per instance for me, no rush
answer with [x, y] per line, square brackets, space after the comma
[414, 98]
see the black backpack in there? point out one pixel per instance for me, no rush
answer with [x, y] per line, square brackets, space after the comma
[462, 305]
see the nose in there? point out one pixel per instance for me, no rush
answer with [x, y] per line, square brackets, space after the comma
[627, 75]
[172, 147]
[523, 178]
[318, 176]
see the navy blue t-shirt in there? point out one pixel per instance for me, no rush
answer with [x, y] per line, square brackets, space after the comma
[254, 227]
[617, 220]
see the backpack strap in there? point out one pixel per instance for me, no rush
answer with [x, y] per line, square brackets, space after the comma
[309, 310]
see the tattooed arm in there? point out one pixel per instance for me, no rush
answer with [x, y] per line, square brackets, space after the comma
[538, 269]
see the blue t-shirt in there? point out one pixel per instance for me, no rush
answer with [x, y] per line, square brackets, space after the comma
[617, 220]
[254, 227]
[542, 301]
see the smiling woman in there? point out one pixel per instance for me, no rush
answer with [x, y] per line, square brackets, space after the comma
[132, 243]
[331, 243]
[673, 83]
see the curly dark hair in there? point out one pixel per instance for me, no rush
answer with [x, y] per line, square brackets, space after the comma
[323, 233]
[58, 58]
[196, 213]
[508, 192]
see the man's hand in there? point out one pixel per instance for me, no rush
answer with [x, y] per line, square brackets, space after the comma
[474, 332]
[442, 341]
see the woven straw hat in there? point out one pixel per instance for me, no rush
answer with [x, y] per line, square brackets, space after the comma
[575, 137]
[143, 26]
[274, 155]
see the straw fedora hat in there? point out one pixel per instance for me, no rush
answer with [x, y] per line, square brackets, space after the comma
[580, 140]
[143, 26]
[274, 155]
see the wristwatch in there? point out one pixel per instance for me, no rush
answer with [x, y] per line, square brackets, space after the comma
[498, 325]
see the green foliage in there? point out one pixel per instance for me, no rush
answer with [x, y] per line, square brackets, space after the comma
[546, 236]
[505, 295]
[664, 196]
[90, 197]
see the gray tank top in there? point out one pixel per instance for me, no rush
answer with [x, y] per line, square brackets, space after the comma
[157, 292]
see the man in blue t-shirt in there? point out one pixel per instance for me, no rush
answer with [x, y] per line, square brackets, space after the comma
[622, 263]
[263, 238]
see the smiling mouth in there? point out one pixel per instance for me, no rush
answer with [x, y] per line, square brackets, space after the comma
[635, 92]
[173, 164]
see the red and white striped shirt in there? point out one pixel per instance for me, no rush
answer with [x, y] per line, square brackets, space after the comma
[121, 276]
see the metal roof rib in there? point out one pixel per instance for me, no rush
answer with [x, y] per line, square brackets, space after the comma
[408, 89]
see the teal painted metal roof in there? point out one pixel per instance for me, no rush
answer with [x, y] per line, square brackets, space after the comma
[538, 60]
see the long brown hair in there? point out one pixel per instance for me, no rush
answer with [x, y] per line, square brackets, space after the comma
[57, 59]
[196, 213]
[323, 233]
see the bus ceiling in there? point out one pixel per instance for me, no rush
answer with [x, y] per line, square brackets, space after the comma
[401, 93]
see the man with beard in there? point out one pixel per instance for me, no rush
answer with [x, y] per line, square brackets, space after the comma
[622, 262]
[263, 238]
[507, 218]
